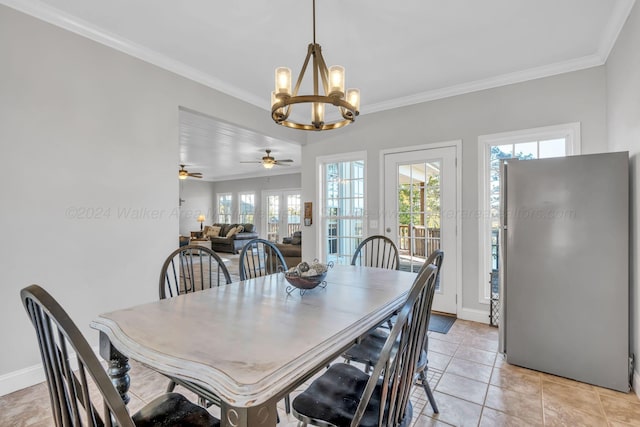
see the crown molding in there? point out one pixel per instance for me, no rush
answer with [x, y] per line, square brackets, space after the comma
[492, 82]
[611, 32]
[45, 12]
[56, 17]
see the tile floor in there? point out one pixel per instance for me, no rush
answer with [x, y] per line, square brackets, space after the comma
[473, 386]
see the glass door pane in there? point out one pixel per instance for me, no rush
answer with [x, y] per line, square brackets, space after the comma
[273, 218]
[419, 212]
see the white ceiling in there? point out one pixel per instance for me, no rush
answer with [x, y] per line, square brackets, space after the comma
[396, 53]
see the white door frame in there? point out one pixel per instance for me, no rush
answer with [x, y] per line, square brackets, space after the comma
[457, 144]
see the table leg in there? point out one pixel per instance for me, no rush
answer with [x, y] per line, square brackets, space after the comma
[118, 369]
[261, 415]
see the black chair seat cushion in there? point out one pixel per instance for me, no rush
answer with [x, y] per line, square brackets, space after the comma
[368, 350]
[173, 409]
[334, 398]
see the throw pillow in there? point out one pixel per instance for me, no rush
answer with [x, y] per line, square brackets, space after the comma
[248, 228]
[296, 240]
[225, 229]
[214, 231]
[239, 229]
[232, 231]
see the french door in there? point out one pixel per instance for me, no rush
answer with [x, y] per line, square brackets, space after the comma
[420, 196]
[282, 217]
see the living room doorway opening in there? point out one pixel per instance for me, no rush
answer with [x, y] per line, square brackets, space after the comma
[281, 216]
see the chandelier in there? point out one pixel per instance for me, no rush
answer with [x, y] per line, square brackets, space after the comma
[332, 80]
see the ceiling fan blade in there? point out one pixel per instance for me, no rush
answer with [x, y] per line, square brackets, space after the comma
[256, 161]
[195, 174]
[277, 163]
[285, 160]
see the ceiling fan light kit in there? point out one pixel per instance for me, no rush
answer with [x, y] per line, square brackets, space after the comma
[268, 162]
[333, 83]
[184, 174]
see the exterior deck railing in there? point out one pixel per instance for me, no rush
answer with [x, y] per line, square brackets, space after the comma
[421, 242]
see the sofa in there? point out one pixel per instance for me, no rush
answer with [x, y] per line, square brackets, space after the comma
[291, 249]
[230, 237]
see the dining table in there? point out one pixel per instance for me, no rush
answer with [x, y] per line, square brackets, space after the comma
[252, 342]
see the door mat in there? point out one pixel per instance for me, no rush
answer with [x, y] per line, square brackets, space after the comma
[441, 324]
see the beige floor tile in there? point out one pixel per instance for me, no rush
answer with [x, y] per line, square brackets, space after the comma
[27, 407]
[556, 396]
[443, 347]
[453, 411]
[464, 388]
[425, 421]
[452, 337]
[527, 382]
[619, 424]
[568, 416]
[629, 396]
[475, 355]
[482, 343]
[469, 369]
[566, 381]
[621, 410]
[501, 360]
[525, 406]
[492, 418]
[438, 361]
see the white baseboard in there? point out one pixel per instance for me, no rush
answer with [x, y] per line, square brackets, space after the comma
[32, 375]
[474, 315]
[21, 378]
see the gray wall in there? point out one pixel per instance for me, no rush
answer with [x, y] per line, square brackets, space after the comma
[572, 97]
[198, 199]
[623, 118]
[89, 140]
[257, 185]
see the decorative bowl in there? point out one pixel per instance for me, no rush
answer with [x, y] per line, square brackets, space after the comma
[308, 282]
[303, 276]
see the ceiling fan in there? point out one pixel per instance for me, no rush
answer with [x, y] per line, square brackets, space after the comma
[184, 174]
[268, 162]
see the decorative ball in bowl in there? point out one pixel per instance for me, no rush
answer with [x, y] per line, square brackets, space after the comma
[307, 275]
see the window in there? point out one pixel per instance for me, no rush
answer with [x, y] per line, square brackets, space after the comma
[225, 201]
[343, 204]
[247, 208]
[552, 141]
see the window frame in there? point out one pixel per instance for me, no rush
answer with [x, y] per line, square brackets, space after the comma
[230, 214]
[569, 131]
[241, 214]
[321, 162]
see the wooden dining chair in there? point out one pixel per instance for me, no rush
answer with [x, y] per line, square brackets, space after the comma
[260, 257]
[73, 372]
[191, 268]
[188, 269]
[368, 350]
[377, 251]
[346, 396]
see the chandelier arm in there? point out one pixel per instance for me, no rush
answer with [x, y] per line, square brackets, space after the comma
[324, 71]
[316, 52]
[302, 71]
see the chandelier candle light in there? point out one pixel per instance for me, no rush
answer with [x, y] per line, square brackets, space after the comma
[282, 99]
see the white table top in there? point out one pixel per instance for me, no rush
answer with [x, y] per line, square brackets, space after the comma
[250, 341]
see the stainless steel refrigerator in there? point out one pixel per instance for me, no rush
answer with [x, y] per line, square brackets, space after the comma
[564, 271]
